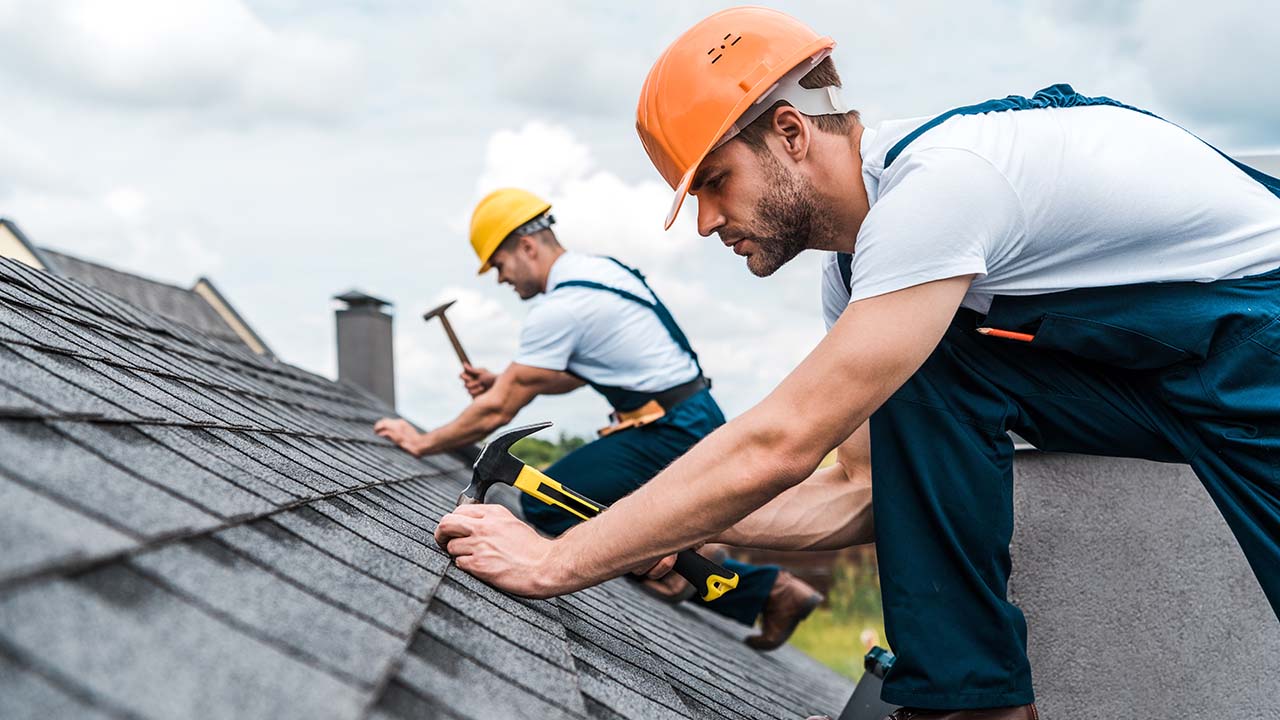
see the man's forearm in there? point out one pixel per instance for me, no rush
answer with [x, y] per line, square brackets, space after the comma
[733, 471]
[830, 510]
[473, 425]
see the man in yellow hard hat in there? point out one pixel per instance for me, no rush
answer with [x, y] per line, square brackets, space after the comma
[599, 323]
[1063, 266]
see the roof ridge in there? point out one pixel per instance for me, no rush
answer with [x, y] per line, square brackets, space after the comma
[58, 255]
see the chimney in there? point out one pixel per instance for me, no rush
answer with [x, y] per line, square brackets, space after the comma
[365, 346]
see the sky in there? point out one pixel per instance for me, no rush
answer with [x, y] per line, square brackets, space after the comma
[294, 149]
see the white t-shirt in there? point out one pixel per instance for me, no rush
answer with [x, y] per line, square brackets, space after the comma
[1040, 201]
[598, 335]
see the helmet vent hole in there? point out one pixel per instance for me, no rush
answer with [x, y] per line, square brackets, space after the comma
[725, 44]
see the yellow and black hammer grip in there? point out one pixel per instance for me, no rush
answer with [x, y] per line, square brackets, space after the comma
[708, 578]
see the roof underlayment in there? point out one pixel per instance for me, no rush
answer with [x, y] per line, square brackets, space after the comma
[193, 530]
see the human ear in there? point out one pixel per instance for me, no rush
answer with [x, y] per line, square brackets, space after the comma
[790, 128]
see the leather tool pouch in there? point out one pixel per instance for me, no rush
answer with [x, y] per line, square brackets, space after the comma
[641, 416]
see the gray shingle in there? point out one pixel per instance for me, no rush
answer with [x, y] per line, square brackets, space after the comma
[402, 519]
[415, 578]
[143, 456]
[251, 445]
[304, 462]
[343, 584]
[196, 445]
[543, 638]
[67, 399]
[22, 327]
[478, 640]
[144, 649]
[83, 479]
[446, 679]
[25, 695]
[178, 304]
[36, 531]
[272, 608]
[301, 612]
[171, 409]
[622, 690]
[17, 404]
[372, 528]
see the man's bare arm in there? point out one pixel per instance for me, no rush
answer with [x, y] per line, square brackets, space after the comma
[515, 388]
[875, 346]
[831, 509]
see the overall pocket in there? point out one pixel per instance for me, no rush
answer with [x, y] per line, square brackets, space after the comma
[1106, 343]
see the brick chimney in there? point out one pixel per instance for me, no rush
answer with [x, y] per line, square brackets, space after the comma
[365, 345]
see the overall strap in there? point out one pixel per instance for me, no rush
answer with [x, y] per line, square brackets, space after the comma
[1060, 96]
[664, 315]
[1054, 96]
[845, 262]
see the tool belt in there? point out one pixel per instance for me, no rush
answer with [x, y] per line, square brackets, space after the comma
[656, 408]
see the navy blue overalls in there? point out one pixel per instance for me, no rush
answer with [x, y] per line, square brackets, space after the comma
[1175, 372]
[613, 466]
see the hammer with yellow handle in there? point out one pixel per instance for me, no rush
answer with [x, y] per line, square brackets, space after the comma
[496, 464]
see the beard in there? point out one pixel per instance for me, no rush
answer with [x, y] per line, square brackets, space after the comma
[787, 221]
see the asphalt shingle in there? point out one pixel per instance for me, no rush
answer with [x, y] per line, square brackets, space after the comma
[36, 532]
[192, 530]
[25, 695]
[269, 607]
[80, 478]
[146, 650]
[344, 585]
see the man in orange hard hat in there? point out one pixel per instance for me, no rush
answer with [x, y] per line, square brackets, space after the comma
[599, 323]
[1066, 267]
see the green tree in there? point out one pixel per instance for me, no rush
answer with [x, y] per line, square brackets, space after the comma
[542, 453]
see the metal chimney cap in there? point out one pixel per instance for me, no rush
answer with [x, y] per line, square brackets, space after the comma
[356, 299]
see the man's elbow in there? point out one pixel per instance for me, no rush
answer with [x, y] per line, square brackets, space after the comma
[495, 416]
[783, 457]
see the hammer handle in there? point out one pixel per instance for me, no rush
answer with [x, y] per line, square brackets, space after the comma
[709, 579]
[457, 346]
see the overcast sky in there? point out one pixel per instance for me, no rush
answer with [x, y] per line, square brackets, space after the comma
[293, 149]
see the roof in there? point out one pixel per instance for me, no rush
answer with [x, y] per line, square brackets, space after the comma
[201, 307]
[194, 530]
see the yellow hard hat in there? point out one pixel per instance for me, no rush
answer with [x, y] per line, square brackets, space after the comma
[499, 214]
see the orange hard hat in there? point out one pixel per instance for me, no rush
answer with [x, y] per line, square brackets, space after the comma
[709, 78]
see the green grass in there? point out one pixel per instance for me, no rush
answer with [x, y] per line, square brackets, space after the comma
[832, 635]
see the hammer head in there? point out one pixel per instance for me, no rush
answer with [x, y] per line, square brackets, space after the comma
[438, 310]
[496, 464]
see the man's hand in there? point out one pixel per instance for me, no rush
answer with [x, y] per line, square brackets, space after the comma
[401, 433]
[658, 570]
[487, 541]
[477, 380]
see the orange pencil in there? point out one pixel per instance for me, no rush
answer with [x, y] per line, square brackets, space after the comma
[1006, 334]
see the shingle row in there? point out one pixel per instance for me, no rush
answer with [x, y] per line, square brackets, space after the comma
[191, 530]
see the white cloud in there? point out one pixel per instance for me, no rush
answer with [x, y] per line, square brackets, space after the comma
[195, 105]
[126, 202]
[596, 211]
[115, 228]
[196, 54]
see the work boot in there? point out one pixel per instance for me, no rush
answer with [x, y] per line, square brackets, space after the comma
[1021, 712]
[790, 601]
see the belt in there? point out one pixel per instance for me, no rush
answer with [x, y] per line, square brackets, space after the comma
[656, 407]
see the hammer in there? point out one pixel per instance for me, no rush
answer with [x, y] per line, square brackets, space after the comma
[448, 329]
[496, 464]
